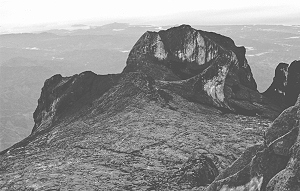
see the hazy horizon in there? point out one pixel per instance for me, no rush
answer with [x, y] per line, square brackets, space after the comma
[33, 15]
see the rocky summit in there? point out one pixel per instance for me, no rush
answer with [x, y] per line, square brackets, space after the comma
[200, 66]
[184, 114]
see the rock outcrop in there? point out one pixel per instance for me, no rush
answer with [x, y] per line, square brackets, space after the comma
[209, 66]
[293, 83]
[285, 87]
[273, 166]
[62, 96]
[196, 171]
[276, 91]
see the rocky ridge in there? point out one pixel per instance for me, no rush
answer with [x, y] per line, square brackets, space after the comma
[132, 136]
[153, 126]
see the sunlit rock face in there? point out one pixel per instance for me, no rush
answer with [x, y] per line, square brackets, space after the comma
[187, 52]
[211, 65]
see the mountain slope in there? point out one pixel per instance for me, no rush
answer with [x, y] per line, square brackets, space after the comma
[131, 137]
[169, 124]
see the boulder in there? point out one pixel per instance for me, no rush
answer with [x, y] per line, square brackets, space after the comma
[196, 171]
[273, 166]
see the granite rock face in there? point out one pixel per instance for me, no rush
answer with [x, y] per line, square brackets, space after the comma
[213, 68]
[273, 166]
[65, 95]
[285, 87]
[186, 52]
[289, 177]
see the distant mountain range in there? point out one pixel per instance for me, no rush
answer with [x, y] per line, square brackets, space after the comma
[185, 113]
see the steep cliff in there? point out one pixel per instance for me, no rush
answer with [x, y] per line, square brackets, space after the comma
[285, 87]
[208, 66]
[293, 83]
[62, 96]
[185, 52]
[277, 90]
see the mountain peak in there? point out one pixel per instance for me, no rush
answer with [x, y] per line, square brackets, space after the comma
[216, 67]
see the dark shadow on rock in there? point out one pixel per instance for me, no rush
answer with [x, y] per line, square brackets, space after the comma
[271, 166]
[196, 171]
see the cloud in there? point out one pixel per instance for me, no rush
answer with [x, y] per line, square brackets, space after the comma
[248, 15]
[29, 12]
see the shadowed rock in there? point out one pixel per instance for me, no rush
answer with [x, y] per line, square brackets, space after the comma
[276, 92]
[276, 163]
[62, 96]
[285, 87]
[293, 83]
[196, 171]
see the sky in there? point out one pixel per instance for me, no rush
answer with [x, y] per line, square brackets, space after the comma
[16, 14]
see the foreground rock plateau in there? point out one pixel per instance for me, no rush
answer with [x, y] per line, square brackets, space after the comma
[184, 114]
[271, 166]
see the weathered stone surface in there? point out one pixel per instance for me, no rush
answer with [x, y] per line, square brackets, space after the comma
[213, 69]
[241, 162]
[62, 95]
[196, 171]
[134, 136]
[283, 124]
[276, 163]
[289, 178]
[187, 52]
